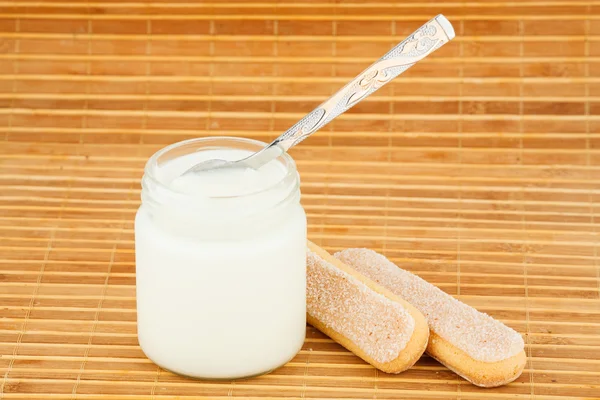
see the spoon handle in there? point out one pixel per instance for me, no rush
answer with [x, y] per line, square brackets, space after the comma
[424, 41]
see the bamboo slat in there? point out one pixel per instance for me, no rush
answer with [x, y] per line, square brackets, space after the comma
[478, 169]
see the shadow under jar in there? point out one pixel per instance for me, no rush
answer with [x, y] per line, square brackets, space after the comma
[220, 262]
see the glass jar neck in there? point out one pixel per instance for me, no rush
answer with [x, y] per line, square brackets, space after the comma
[198, 213]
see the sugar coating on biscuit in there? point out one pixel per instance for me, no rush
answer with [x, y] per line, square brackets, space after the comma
[477, 334]
[379, 326]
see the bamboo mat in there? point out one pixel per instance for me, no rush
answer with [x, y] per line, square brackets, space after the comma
[478, 169]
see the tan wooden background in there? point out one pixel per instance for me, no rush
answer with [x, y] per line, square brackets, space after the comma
[479, 169]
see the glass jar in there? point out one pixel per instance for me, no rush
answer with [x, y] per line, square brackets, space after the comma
[221, 280]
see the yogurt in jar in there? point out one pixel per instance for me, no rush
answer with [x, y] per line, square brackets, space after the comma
[220, 262]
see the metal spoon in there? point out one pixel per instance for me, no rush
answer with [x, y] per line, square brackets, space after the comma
[424, 41]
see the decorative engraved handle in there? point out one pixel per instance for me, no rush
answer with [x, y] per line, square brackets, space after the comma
[414, 48]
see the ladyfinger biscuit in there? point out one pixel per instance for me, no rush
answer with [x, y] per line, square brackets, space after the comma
[477, 347]
[362, 316]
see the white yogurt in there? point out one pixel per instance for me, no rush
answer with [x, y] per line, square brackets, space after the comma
[221, 265]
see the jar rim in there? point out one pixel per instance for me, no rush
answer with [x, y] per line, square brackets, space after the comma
[285, 159]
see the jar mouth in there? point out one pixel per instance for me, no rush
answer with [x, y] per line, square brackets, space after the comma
[190, 146]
